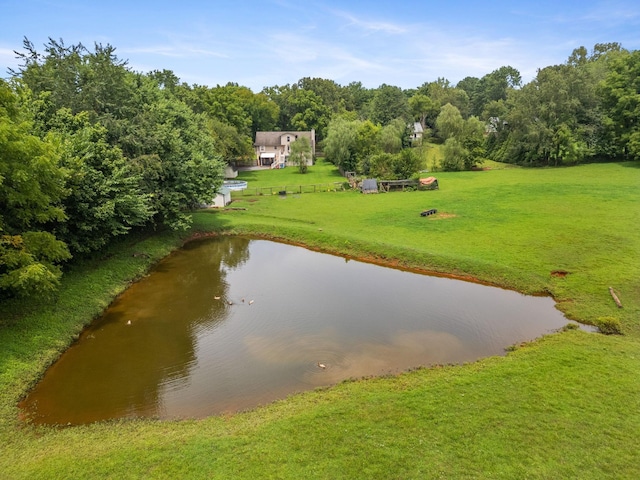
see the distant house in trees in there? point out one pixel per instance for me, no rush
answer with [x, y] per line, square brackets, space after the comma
[417, 131]
[273, 148]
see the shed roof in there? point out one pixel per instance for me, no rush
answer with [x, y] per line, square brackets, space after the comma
[369, 185]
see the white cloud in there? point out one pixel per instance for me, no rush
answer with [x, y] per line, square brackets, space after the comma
[178, 51]
[372, 25]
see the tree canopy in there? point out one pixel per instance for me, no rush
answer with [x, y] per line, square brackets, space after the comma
[92, 150]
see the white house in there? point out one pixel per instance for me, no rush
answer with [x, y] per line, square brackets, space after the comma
[273, 148]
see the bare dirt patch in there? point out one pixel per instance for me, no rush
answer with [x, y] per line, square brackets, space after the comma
[442, 216]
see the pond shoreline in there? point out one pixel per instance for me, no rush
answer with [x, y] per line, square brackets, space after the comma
[175, 339]
[368, 258]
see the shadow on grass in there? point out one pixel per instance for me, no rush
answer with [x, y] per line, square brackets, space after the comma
[631, 164]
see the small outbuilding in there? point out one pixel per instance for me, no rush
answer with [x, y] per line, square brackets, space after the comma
[369, 185]
[222, 198]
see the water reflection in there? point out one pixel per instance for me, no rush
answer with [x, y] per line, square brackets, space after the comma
[230, 323]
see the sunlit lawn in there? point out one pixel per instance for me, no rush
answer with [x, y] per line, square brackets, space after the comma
[565, 406]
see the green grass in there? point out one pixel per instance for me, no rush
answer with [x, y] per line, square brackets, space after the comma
[564, 406]
[290, 178]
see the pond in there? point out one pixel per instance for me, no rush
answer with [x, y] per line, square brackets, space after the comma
[226, 324]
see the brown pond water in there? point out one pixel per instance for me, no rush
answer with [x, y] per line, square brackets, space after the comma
[230, 323]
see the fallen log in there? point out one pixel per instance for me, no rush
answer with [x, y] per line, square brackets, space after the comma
[615, 297]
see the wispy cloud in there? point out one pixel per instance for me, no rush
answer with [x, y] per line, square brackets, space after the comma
[374, 26]
[613, 15]
[176, 51]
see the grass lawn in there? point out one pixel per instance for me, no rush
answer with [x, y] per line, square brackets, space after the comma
[564, 406]
[322, 173]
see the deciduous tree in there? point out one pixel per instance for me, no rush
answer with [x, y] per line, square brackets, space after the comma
[31, 192]
[300, 154]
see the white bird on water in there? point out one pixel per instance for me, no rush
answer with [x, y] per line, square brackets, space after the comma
[250, 302]
[321, 365]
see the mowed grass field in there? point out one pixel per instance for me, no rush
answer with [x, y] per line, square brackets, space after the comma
[564, 406]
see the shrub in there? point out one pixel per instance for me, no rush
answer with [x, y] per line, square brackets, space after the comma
[609, 325]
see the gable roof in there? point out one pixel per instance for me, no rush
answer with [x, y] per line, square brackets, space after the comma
[272, 139]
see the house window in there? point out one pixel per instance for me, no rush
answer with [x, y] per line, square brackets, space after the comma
[262, 149]
[288, 138]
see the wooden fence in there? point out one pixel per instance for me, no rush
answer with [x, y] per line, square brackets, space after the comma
[292, 189]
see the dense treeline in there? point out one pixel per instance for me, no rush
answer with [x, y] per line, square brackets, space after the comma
[91, 149]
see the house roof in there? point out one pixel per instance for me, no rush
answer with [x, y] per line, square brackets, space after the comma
[417, 127]
[272, 139]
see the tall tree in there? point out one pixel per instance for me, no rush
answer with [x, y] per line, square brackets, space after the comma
[449, 122]
[104, 198]
[442, 92]
[329, 91]
[31, 192]
[177, 159]
[463, 139]
[340, 145]
[300, 154]
[621, 97]
[389, 103]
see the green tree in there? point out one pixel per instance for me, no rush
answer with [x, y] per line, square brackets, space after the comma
[357, 99]
[31, 191]
[449, 122]
[407, 163]
[442, 92]
[454, 154]
[422, 107]
[464, 139]
[104, 198]
[380, 165]
[229, 143]
[311, 112]
[341, 144]
[387, 104]
[493, 87]
[393, 136]
[177, 160]
[300, 154]
[394, 166]
[620, 92]
[367, 139]
[329, 91]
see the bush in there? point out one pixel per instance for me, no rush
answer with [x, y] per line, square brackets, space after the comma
[609, 325]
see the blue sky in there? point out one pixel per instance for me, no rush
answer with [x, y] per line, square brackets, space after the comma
[275, 42]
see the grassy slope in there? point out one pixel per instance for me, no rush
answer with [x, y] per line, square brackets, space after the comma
[565, 406]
